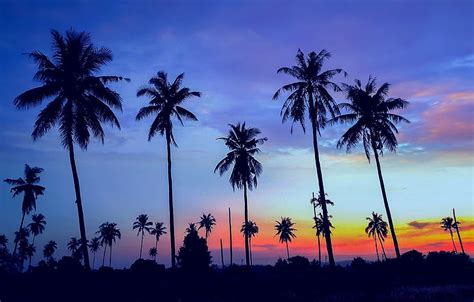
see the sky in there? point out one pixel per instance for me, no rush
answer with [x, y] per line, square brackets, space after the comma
[230, 51]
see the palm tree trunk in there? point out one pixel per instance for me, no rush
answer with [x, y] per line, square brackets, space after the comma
[247, 252]
[319, 250]
[156, 248]
[103, 257]
[230, 238]
[376, 249]
[457, 231]
[19, 231]
[287, 251]
[327, 233]
[250, 250]
[93, 261]
[385, 201]
[141, 246]
[452, 239]
[80, 212]
[383, 249]
[222, 255]
[170, 200]
[110, 255]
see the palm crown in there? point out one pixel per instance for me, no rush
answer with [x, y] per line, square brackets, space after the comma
[28, 186]
[94, 244]
[108, 233]
[49, 249]
[448, 224]
[285, 230]
[36, 227]
[250, 229]
[142, 224]
[158, 230]
[207, 222]
[376, 227]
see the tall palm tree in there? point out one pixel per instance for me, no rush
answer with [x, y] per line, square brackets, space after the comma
[94, 246]
[158, 230]
[250, 230]
[243, 145]
[108, 234]
[36, 227]
[373, 124]
[377, 228]
[286, 232]
[456, 226]
[28, 185]
[153, 252]
[81, 101]
[207, 222]
[165, 104]
[447, 224]
[310, 94]
[74, 246]
[143, 225]
[49, 249]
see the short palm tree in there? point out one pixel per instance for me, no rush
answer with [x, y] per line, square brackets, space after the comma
[286, 232]
[250, 230]
[318, 226]
[309, 95]
[3, 241]
[49, 249]
[166, 100]
[377, 228]
[28, 186]
[94, 246]
[207, 222]
[36, 227]
[142, 225]
[29, 252]
[373, 124]
[80, 100]
[153, 252]
[108, 234]
[243, 145]
[74, 246]
[447, 224]
[158, 230]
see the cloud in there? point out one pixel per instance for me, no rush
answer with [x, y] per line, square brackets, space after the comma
[419, 225]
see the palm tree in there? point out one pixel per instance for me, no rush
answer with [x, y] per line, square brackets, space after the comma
[74, 246]
[250, 230]
[30, 189]
[310, 93]
[94, 246]
[447, 224]
[285, 231]
[143, 225]
[36, 227]
[318, 226]
[153, 252]
[21, 235]
[158, 230]
[3, 241]
[372, 124]
[108, 235]
[456, 226]
[166, 101]
[49, 249]
[377, 228]
[81, 101]
[207, 222]
[243, 145]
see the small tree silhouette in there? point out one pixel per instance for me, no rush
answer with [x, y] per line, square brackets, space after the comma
[194, 254]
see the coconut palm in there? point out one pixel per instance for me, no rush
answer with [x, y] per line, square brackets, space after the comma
[285, 231]
[243, 145]
[49, 249]
[74, 246]
[309, 95]
[158, 230]
[374, 125]
[21, 235]
[456, 226]
[207, 222]
[250, 230]
[377, 228]
[80, 100]
[30, 251]
[319, 228]
[165, 104]
[36, 227]
[108, 234]
[143, 225]
[28, 186]
[3, 241]
[94, 246]
[153, 252]
[447, 224]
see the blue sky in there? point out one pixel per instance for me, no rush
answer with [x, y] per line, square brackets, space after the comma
[230, 51]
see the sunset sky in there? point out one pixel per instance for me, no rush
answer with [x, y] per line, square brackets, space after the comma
[230, 52]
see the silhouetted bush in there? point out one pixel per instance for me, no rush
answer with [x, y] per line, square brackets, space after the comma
[358, 263]
[146, 266]
[69, 265]
[194, 255]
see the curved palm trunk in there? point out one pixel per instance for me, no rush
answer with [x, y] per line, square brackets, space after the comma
[457, 231]
[383, 249]
[103, 257]
[327, 233]
[141, 246]
[110, 255]
[19, 230]
[287, 251]
[452, 239]
[376, 249]
[246, 212]
[170, 200]
[80, 212]
[385, 201]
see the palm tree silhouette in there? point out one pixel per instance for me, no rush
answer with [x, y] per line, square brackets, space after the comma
[3, 241]
[36, 227]
[318, 226]
[30, 250]
[109, 233]
[80, 102]
[373, 124]
[242, 143]
[377, 228]
[250, 230]
[153, 252]
[49, 249]
[74, 246]
[21, 235]
[143, 225]
[207, 222]
[158, 230]
[30, 189]
[166, 101]
[310, 93]
[94, 246]
[447, 224]
[456, 226]
[285, 231]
